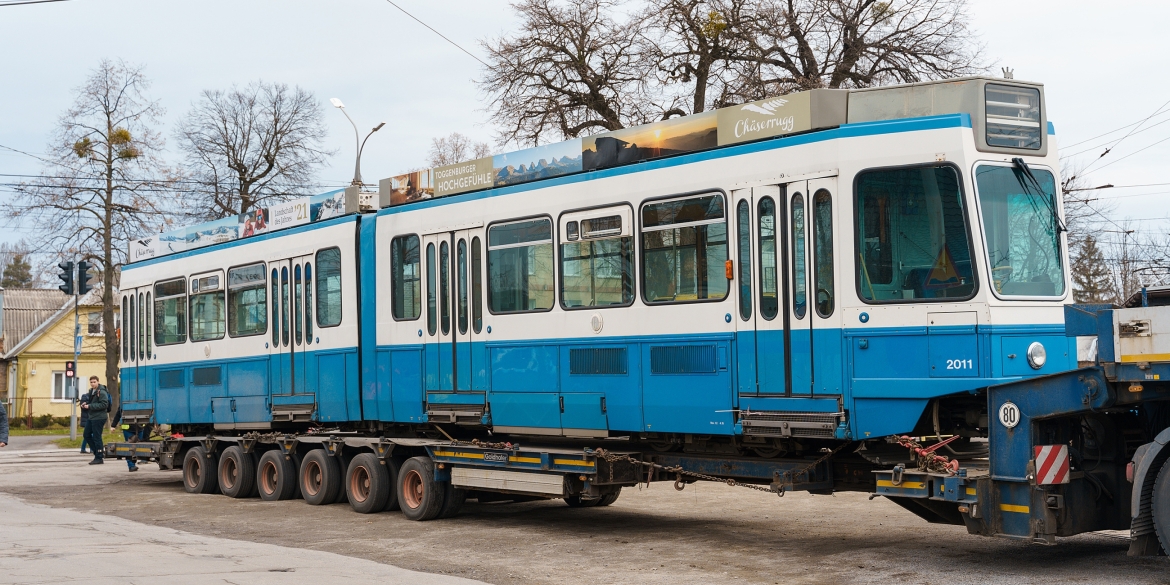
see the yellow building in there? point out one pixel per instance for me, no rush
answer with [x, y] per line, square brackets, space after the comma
[37, 339]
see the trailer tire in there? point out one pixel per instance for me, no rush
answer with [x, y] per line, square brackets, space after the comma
[368, 484]
[197, 471]
[320, 478]
[453, 499]
[609, 498]
[276, 476]
[237, 473]
[419, 495]
[1160, 506]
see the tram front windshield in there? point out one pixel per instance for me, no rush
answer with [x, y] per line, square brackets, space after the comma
[1022, 230]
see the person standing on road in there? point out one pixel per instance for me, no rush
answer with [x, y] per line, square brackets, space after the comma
[97, 409]
[3, 425]
[132, 433]
[82, 401]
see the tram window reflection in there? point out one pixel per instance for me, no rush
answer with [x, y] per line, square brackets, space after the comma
[684, 243]
[520, 266]
[170, 312]
[406, 277]
[823, 252]
[208, 314]
[912, 235]
[247, 301]
[329, 287]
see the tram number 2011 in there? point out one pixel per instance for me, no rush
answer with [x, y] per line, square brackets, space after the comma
[960, 364]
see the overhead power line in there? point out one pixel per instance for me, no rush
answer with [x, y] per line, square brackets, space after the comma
[20, 2]
[1127, 135]
[437, 32]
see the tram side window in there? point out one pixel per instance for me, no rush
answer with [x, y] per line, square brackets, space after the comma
[207, 308]
[823, 251]
[122, 332]
[520, 266]
[329, 287]
[912, 234]
[597, 270]
[406, 278]
[247, 301]
[684, 244]
[170, 312]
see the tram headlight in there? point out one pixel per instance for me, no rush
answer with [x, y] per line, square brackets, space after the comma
[1037, 355]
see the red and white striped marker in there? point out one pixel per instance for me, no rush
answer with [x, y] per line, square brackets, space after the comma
[1051, 464]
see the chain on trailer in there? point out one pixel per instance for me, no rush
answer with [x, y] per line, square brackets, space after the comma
[777, 487]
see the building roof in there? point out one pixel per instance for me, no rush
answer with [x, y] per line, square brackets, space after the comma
[26, 309]
[27, 312]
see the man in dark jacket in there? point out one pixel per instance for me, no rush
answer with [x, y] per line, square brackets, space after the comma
[3, 426]
[96, 413]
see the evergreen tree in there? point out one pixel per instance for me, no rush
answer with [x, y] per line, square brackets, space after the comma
[18, 273]
[1092, 281]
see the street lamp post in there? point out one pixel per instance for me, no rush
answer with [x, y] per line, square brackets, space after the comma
[358, 142]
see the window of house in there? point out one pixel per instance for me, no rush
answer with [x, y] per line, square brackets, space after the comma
[62, 392]
[684, 249]
[520, 266]
[93, 323]
[247, 300]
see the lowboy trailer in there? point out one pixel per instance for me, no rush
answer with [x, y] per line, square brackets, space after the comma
[1067, 453]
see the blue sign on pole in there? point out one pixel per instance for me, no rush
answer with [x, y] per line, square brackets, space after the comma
[77, 344]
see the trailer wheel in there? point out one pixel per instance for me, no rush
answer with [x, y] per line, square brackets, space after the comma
[276, 476]
[453, 499]
[419, 495]
[1161, 506]
[609, 498]
[197, 471]
[320, 478]
[368, 484]
[237, 473]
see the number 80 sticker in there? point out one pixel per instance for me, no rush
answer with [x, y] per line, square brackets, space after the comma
[1009, 415]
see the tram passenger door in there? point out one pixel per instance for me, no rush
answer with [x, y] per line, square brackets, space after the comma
[761, 336]
[447, 257]
[800, 310]
[292, 331]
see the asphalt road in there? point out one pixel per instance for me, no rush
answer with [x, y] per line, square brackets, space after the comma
[709, 533]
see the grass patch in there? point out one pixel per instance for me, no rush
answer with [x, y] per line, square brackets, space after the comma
[108, 437]
[38, 432]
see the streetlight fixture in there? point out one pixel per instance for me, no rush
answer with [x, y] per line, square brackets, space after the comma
[358, 142]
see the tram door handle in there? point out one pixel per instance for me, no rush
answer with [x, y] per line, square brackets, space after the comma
[562, 402]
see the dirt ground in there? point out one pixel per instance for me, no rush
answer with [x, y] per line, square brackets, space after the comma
[708, 533]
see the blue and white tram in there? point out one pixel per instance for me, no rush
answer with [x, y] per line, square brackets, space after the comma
[850, 282]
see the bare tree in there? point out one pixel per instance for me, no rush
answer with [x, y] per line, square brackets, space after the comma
[794, 45]
[455, 148]
[571, 70]
[250, 146]
[693, 44]
[583, 67]
[104, 183]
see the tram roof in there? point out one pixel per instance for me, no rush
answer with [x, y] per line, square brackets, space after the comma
[771, 118]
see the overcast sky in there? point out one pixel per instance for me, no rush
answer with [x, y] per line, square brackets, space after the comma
[1103, 64]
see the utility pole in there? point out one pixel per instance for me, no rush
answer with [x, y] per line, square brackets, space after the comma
[67, 287]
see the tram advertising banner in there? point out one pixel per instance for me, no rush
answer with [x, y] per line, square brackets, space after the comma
[779, 116]
[666, 138]
[471, 175]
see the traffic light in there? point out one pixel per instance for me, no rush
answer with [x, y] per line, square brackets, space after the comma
[66, 277]
[83, 277]
[70, 369]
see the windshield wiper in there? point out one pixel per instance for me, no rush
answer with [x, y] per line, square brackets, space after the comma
[1051, 205]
